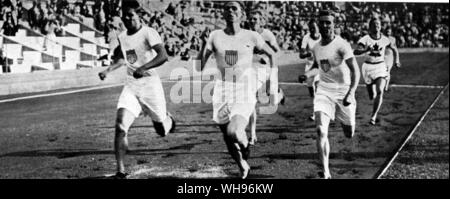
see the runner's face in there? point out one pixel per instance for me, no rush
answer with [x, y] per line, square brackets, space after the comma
[254, 20]
[232, 12]
[326, 26]
[131, 19]
[389, 32]
[375, 26]
[313, 28]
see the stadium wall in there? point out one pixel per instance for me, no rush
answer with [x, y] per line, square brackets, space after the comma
[39, 81]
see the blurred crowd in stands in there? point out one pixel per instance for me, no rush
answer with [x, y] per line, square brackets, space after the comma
[47, 16]
[412, 24]
[182, 23]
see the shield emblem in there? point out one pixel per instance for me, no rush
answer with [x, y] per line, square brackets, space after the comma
[325, 65]
[131, 56]
[231, 57]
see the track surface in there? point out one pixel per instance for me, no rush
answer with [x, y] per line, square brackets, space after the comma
[426, 154]
[70, 136]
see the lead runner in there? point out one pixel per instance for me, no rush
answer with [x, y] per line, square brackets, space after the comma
[335, 94]
[234, 97]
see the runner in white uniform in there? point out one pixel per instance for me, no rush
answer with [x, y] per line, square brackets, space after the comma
[143, 91]
[335, 95]
[234, 97]
[311, 75]
[374, 70]
[261, 65]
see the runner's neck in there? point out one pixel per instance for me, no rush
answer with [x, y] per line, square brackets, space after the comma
[327, 40]
[232, 29]
[132, 32]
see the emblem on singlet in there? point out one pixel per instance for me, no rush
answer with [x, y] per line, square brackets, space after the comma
[131, 56]
[375, 50]
[231, 57]
[325, 65]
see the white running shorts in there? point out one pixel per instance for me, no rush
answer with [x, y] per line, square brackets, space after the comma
[145, 94]
[331, 103]
[371, 72]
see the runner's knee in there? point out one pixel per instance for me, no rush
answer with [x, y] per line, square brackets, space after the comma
[232, 131]
[236, 128]
[322, 122]
[123, 121]
[322, 132]
[121, 130]
[380, 91]
[349, 130]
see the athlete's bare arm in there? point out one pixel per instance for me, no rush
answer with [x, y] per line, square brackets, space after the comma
[360, 49]
[161, 58]
[355, 75]
[204, 55]
[304, 53]
[118, 61]
[396, 55]
[273, 78]
[273, 44]
[267, 50]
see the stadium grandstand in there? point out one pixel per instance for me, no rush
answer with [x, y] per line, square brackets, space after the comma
[73, 34]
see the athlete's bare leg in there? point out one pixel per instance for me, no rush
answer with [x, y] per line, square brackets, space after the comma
[123, 122]
[380, 86]
[314, 89]
[311, 91]
[371, 91]
[252, 122]
[237, 143]
[388, 78]
[166, 126]
[323, 145]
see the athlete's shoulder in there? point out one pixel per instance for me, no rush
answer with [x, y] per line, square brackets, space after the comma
[343, 44]
[364, 38]
[341, 40]
[249, 32]
[122, 35]
[317, 45]
[267, 31]
[385, 39]
[148, 29]
[215, 33]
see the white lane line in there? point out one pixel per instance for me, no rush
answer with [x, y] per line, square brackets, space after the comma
[59, 93]
[406, 139]
[185, 81]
